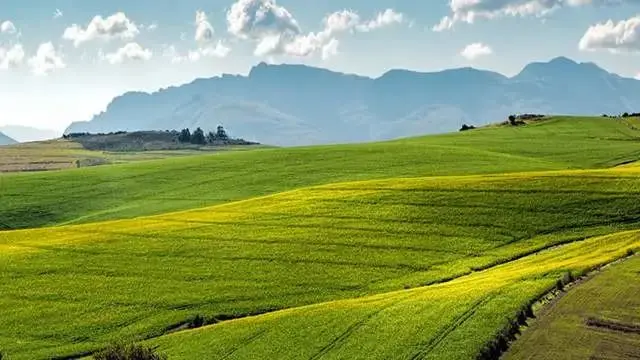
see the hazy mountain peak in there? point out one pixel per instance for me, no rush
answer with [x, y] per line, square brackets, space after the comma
[5, 140]
[291, 104]
[26, 133]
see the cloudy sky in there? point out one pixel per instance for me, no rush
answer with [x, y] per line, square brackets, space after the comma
[64, 60]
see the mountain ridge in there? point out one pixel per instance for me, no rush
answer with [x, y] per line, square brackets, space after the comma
[6, 140]
[292, 104]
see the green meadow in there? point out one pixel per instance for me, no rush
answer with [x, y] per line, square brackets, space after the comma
[155, 187]
[422, 248]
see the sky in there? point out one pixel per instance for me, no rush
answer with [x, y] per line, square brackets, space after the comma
[65, 60]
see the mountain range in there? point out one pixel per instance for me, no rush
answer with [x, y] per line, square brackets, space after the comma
[5, 140]
[301, 105]
[26, 133]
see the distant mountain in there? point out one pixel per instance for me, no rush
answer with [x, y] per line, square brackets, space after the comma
[25, 133]
[5, 140]
[296, 104]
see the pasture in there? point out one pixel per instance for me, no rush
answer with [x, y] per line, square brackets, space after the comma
[422, 248]
[155, 187]
[134, 279]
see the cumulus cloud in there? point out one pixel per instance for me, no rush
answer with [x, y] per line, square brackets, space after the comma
[257, 19]
[330, 50]
[46, 60]
[204, 30]
[476, 50]
[219, 50]
[383, 19]
[116, 26]
[615, 37]
[277, 32]
[130, 52]
[12, 57]
[7, 27]
[468, 11]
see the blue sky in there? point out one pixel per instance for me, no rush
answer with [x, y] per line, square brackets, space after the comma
[52, 73]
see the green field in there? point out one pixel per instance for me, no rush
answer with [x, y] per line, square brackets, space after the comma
[155, 187]
[416, 248]
[611, 301]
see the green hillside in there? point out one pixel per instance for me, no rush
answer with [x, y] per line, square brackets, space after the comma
[155, 187]
[94, 283]
[422, 248]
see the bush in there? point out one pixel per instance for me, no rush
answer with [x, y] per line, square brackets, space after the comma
[129, 352]
[197, 322]
[466, 127]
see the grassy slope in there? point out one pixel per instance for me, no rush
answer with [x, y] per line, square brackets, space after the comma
[92, 283]
[125, 191]
[613, 295]
[447, 321]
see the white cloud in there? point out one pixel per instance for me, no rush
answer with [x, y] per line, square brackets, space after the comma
[204, 30]
[476, 50]
[257, 19]
[12, 57]
[637, 77]
[468, 11]
[217, 51]
[130, 52]
[58, 14]
[621, 36]
[388, 17]
[116, 26]
[330, 50]
[7, 27]
[46, 60]
[276, 31]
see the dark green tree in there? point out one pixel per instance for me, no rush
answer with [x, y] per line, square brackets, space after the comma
[198, 137]
[221, 134]
[211, 137]
[185, 136]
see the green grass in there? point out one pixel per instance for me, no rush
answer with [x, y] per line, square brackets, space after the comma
[611, 297]
[91, 284]
[447, 321]
[155, 187]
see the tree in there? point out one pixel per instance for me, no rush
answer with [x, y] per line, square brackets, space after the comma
[625, 115]
[221, 134]
[512, 119]
[466, 127]
[198, 137]
[211, 137]
[185, 136]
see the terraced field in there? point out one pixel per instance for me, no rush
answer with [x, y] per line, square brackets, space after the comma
[426, 261]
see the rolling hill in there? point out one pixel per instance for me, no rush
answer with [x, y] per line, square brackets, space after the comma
[299, 105]
[426, 248]
[27, 133]
[123, 191]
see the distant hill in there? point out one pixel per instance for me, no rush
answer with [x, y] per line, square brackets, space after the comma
[5, 140]
[26, 133]
[296, 104]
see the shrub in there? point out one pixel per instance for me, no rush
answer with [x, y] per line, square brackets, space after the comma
[512, 119]
[197, 322]
[129, 352]
[466, 127]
